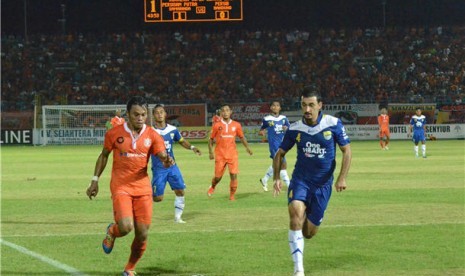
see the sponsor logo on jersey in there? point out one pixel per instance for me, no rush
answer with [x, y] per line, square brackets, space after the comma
[311, 150]
[147, 142]
[327, 135]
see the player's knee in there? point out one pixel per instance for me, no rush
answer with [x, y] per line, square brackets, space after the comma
[308, 234]
[158, 198]
[125, 228]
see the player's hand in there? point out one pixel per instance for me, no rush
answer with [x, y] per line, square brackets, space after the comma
[249, 151]
[211, 156]
[169, 161]
[92, 190]
[261, 133]
[340, 185]
[197, 151]
[277, 187]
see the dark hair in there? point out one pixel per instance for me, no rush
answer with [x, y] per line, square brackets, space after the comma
[137, 100]
[275, 101]
[223, 105]
[159, 105]
[418, 108]
[309, 92]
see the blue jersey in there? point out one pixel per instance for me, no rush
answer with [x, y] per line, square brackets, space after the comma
[275, 131]
[418, 123]
[316, 149]
[171, 135]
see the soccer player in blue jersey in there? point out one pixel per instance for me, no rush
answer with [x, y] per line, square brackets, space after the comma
[315, 136]
[418, 126]
[275, 125]
[171, 175]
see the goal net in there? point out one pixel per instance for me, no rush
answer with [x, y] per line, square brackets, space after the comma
[77, 124]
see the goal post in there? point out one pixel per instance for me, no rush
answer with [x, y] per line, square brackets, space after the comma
[86, 124]
[76, 124]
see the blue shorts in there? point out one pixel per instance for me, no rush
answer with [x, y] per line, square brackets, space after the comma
[315, 198]
[418, 137]
[171, 175]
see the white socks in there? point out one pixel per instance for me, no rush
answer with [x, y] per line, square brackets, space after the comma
[423, 150]
[296, 244]
[285, 177]
[268, 174]
[178, 206]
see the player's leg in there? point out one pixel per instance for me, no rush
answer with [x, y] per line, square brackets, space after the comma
[283, 172]
[160, 177]
[297, 193]
[220, 167]
[233, 168]
[122, 210]
[423, 147]
[388, 139]
[264, 179]
[142, 220]
[315, 210]
[177, 184]
[381, 139]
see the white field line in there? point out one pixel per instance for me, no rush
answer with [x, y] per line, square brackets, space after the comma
[189, 230]
[42, 258]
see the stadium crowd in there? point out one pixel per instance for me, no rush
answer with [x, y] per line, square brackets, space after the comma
[348, 66]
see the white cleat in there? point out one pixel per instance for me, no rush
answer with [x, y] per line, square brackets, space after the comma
[179, 220]
[299, 273]
[264, 185]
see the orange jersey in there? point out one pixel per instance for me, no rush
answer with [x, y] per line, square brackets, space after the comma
[216, 119]
[225, 137]
[383, 122]
[130, 157]
[116, 121]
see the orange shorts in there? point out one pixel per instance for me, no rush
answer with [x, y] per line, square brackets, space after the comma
[384, 132]
[137, 207]
[220, 166]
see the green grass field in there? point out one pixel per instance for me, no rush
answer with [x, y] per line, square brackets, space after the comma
[399, 216]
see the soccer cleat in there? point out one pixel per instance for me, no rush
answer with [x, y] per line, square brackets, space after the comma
[386, 148]
[299, 273]
[424, 156]
[179, 220]
[232, 198]
[129, 273]
[211, 190]
[264, 185]
[109, 241]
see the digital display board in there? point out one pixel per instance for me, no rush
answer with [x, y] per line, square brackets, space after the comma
[192, 10]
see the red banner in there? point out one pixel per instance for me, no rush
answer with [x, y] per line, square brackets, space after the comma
[250, 114]
[186, 115]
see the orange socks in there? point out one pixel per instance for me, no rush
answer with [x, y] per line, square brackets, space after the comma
[137, 250]
[232, 187]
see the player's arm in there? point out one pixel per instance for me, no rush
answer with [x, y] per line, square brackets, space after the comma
[277, 163]
[340, 184]
[100, 165]
[185, 144]
[210, 149]
[246, 145]
[166, 159]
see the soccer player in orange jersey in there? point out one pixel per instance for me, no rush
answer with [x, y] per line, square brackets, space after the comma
[217, 117]
[384, 134]
[117, 120]
[224, 134]
[132, 144]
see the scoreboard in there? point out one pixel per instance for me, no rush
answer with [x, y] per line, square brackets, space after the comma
[192, 10]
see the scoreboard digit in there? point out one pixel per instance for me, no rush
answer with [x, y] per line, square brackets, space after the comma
[192, 10]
